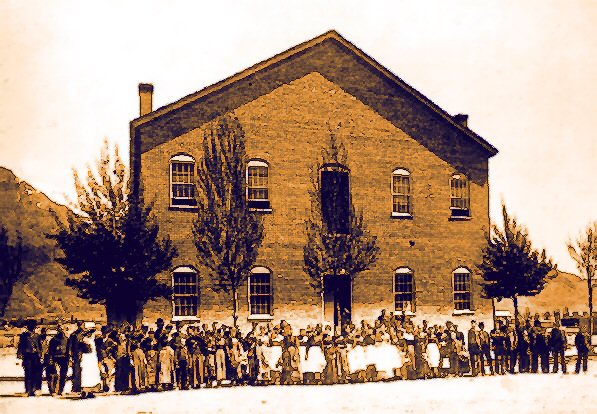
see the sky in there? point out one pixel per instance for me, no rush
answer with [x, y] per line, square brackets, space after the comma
[524, 71]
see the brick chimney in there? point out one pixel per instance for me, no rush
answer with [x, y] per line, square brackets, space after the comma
[461, 119]
[145, 98]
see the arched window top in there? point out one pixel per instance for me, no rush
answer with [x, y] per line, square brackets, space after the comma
[403, 270]
[257, 163]
[334, 166]
[461, 270]
[401, 171]
[260, 269]
[459, 176]
[184, 269]
[182, 158]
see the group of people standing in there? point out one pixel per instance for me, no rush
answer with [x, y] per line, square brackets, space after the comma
[131, 359]
[506, 349]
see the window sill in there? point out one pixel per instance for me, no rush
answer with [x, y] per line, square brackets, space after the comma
[185, 318]
[190, 209]
[463, 312]
[260, 317]
[407, 313]
[403, 216]
[460, 218]
[261, 210]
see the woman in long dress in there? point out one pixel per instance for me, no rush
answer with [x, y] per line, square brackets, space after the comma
[330, 372]
[433, 356]
[90, 372]
[166, 368]
[139, 367]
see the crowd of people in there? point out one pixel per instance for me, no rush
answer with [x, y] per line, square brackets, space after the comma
[130, 359]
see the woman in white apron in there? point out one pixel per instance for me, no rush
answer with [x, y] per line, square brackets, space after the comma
[90, 373]
[433, 356]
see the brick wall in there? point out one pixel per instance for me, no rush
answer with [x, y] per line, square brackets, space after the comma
[288, 127]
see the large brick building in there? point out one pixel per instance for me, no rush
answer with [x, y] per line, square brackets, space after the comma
[420, 174]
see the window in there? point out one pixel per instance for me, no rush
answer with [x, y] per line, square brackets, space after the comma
[260, 291]
[257, 185]
[182, 181]
[460, 204]
[462, 289]
[404, 291]
[401, 194]
[186, 292]
[335, 197]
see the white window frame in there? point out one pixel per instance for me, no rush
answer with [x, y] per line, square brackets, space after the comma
[259, 163]
[459, 271]
[185, 269]
[181, 159]
[261, 316]
[405, 270]
[466, 196]
[401, 172]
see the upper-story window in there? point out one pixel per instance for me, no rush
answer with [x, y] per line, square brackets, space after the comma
[185, 289]
[401, 193]
[462, 289]
[404, 290]
[182, 181]
[460, 204]
[258, 185]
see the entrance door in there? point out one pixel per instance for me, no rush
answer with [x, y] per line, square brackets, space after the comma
[338, 299]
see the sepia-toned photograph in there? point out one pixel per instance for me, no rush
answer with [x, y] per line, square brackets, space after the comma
[298, 206]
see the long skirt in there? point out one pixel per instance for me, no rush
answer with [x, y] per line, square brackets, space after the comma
[122, 376]
[433, 357]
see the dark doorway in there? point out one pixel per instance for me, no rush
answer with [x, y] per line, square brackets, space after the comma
[338, 299]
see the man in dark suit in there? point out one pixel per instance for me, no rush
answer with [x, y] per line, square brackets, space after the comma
[485, 354]
[75, 347]
[29, 351]
[582, 349]
[557, 345]
[58, 359]
[473, 348]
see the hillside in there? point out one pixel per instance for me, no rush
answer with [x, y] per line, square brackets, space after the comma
[566, 290]
[42, 291]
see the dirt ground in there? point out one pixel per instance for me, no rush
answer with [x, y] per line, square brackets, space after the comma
[521, 393]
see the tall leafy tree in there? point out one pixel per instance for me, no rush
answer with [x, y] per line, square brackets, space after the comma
[511, 267]
[112, 248]
[584, 253]
[11, 265]
[227, 234]
[336, 245]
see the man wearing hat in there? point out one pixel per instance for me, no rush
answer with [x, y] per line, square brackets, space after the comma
[29, 351]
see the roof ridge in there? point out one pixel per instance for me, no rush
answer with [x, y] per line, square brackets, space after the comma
[330, 34]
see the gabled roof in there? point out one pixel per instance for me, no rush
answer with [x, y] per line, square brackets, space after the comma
[258, 71]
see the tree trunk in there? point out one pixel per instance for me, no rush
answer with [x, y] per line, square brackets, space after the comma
[493, 312]
[234, 307]
[590, 285]
[515, 301]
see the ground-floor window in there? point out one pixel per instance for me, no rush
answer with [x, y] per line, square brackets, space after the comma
[185, 286]
[462, 289]
[404, 291]
[260, 291]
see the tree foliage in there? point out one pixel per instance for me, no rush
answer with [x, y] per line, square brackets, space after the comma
[227, 234]
[329, 252]
[511, 267]
[113, 248]
[11, 265]
[584, 253]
